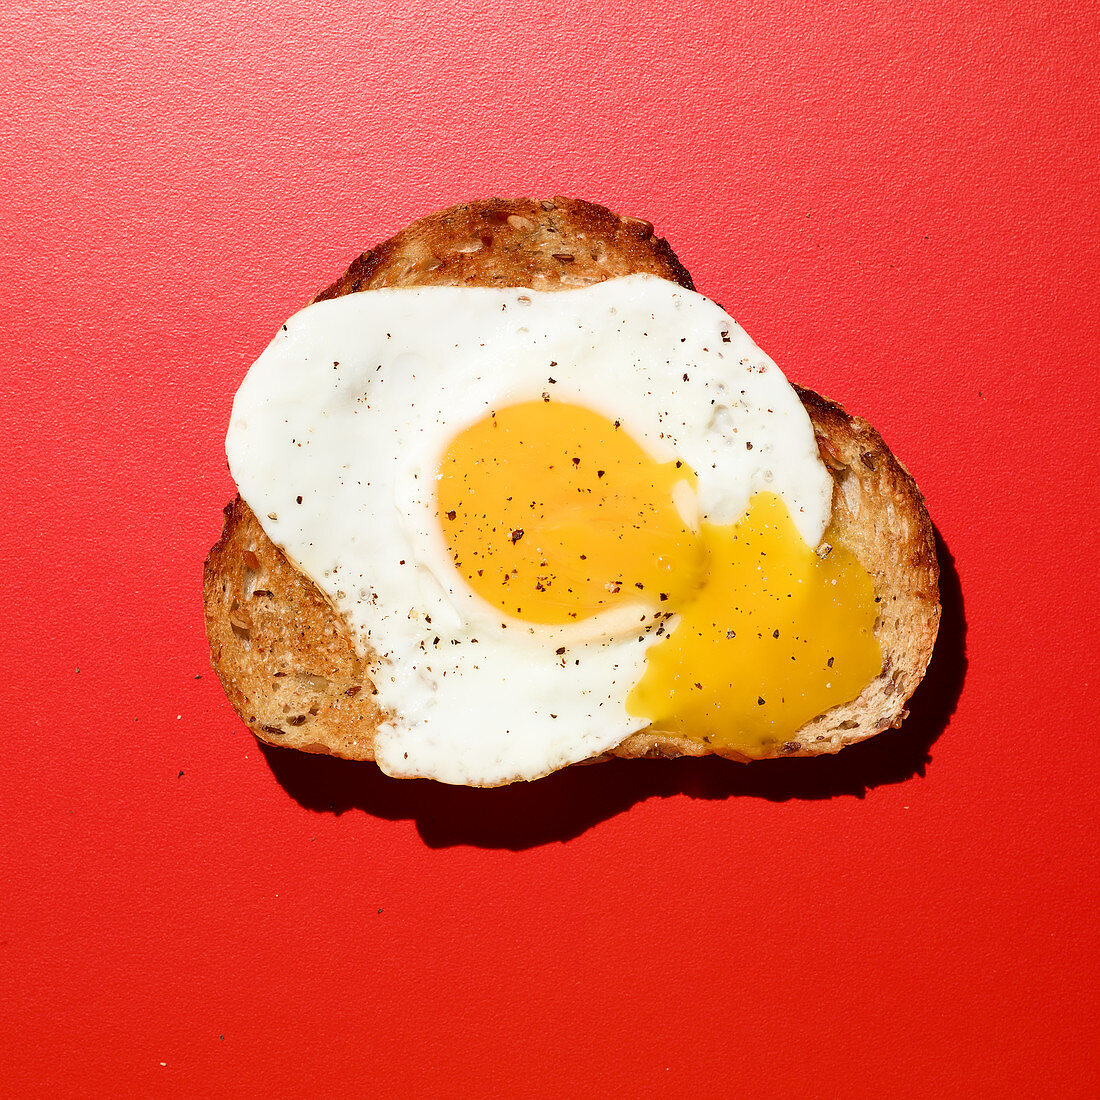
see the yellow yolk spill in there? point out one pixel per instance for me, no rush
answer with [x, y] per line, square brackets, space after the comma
[775, 636]
[552, 513]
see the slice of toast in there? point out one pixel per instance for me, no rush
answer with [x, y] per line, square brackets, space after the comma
[285, 658]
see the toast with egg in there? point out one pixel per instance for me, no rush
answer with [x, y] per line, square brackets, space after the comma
[286, 658]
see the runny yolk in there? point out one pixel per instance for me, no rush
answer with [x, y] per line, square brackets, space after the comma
[552, 514]
[775, 635]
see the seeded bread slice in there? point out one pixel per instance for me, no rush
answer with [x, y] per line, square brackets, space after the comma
[284, 656]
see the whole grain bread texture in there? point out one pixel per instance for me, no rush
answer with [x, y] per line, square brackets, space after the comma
[285, 657]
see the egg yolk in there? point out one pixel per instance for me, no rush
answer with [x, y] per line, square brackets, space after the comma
[552, 513]
[774, 636]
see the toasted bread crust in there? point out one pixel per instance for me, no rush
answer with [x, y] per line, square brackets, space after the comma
[552, 244]
[284, 656]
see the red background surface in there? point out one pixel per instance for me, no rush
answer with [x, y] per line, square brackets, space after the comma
[902, 208]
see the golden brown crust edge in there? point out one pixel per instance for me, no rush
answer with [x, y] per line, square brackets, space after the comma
[547, 244]
[284, 657]
[282, 654]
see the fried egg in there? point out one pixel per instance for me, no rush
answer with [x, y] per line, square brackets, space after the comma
[554, 519]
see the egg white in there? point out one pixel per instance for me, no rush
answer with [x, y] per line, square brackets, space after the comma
[335, 440]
